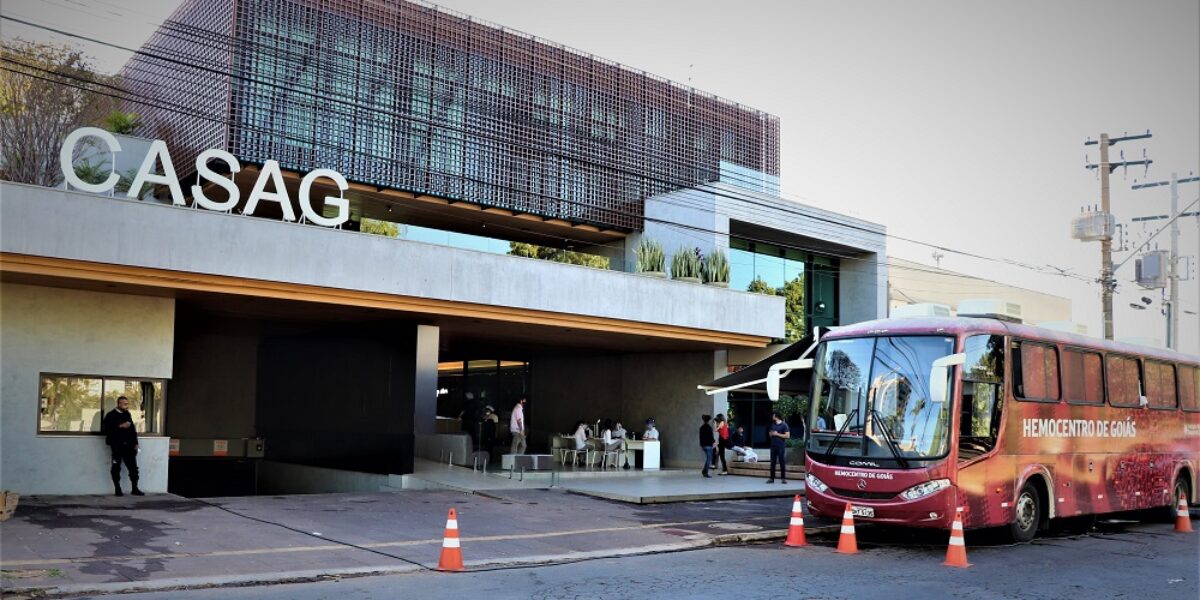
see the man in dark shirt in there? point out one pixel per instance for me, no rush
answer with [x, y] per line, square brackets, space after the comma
[779, 434]
[707, 440]
[121, 436]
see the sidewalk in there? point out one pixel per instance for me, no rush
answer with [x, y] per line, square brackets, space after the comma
[78, 544]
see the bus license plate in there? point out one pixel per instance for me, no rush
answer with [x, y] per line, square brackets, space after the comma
[862, 511]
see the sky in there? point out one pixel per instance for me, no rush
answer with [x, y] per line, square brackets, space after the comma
[959, 124]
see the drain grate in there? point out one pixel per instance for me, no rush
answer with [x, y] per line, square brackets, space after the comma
[734, 526]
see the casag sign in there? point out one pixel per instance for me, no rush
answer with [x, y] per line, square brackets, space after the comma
[271, 173]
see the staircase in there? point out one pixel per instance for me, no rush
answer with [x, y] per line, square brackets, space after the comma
[763, 468]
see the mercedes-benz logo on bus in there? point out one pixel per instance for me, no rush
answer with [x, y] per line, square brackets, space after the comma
[862, 484]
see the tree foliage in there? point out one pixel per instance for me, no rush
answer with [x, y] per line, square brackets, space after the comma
[377, 227]
[793, 303]
[40, 103]
[557, 255]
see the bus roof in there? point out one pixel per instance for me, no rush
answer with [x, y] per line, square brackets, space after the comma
[957, 325]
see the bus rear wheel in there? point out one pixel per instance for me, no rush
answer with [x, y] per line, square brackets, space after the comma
[1180, 488]
[1027, 515]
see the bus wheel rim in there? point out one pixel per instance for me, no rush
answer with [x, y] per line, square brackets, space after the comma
[1026, 509]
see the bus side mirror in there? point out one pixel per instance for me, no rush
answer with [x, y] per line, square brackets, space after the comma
[776, 372]
[940, 373]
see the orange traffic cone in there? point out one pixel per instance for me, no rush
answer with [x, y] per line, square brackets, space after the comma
[956, 553]
[795, 536]
[451, 559]
[1183, 522]
[848, 543]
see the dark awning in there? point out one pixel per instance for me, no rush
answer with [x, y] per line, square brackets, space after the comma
[795, 383]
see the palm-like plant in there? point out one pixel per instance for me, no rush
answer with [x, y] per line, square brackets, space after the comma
[121, 122]
[650, 257]
[685, 264]
[716, 267]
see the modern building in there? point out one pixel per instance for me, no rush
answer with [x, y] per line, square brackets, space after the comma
[265, 351]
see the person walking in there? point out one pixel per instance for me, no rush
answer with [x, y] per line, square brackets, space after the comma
[779, 434]
[517, 426]
[707, 440]
[722, 444]
[121, 436]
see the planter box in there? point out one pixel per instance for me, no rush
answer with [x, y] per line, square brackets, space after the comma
[8, 504]
[688, 279]
[720, 284]
[656, 274]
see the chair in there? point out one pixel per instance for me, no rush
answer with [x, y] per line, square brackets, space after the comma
[615, 454]
[574, 454]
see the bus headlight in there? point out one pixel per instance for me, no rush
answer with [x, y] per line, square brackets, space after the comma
[925, 489]
[815, 483]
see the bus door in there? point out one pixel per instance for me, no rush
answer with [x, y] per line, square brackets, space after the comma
[981, 469]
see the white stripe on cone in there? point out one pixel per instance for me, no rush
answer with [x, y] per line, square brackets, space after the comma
[958, 525]
[847, 529]
[796, 507]
[956, 541]
[450, 543]
[797, 521]
[451, 523]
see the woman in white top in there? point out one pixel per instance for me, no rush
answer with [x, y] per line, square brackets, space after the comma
[613, 442]
[581, 435]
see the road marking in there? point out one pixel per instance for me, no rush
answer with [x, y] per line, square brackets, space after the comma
[331, 547]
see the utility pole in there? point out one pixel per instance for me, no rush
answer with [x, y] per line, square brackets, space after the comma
[1173, 264]
[1107, 282]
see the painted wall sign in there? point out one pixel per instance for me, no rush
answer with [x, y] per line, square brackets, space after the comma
[158, 155]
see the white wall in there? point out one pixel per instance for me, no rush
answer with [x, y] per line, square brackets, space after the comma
[52, 330]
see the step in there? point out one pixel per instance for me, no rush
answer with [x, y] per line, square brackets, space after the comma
[763, 469]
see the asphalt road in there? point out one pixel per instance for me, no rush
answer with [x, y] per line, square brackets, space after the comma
[1117, 561]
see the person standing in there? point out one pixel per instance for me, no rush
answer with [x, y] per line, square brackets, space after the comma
[779, 434]
[121, 436]
[516, 426]
[722, 444]
[707, 440]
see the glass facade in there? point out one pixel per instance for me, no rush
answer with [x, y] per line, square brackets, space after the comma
[754, 266]
[408, 96]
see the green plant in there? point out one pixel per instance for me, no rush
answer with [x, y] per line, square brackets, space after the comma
[558, 255]
[758, 286]
[91, 173]
[685, 263]
[716, 267]
[126, 181]
[121, 122]
[650, 257]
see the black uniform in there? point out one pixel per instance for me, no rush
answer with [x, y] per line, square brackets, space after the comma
[123, 442]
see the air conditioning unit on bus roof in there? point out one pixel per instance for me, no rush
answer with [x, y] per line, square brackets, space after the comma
[1067, 326]
[990, 309]
[921, 309]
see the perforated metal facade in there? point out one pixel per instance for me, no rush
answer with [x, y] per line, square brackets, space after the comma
[409, 96]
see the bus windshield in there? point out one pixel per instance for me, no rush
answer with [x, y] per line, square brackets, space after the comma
[871, 398]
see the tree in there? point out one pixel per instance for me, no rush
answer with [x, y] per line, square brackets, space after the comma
[793, 298]
[40, 103]
[758, 286]
[377, 227]
[557, 255]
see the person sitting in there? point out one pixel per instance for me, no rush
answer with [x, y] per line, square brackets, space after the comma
[651, 433]
[737, 441]
[613, 443]
[619, 431]
[581, 435]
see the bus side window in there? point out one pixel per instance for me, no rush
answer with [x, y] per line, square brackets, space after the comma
[1035, 372]
[982, 396]
[1189, 388]
[1124, 381]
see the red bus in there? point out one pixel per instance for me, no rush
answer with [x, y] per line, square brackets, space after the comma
[1018, 425]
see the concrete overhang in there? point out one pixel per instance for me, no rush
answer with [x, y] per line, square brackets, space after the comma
[75, 238]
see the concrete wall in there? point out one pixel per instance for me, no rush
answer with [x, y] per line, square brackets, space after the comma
[143, 234]
[628, 387]
[912, 282]
[51, 330]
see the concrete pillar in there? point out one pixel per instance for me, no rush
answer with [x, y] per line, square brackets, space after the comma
[425, 380]
[720, 402]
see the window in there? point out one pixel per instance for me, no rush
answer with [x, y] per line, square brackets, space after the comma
[1160, 384]
[1189, 388]
[982, 396]
[1124, 381]
[1083, 381]
[1035, 376]
[78, 403]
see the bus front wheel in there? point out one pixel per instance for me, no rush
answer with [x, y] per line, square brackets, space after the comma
[1027, 514]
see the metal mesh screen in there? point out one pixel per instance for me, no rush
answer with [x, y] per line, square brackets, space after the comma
[410, 96]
